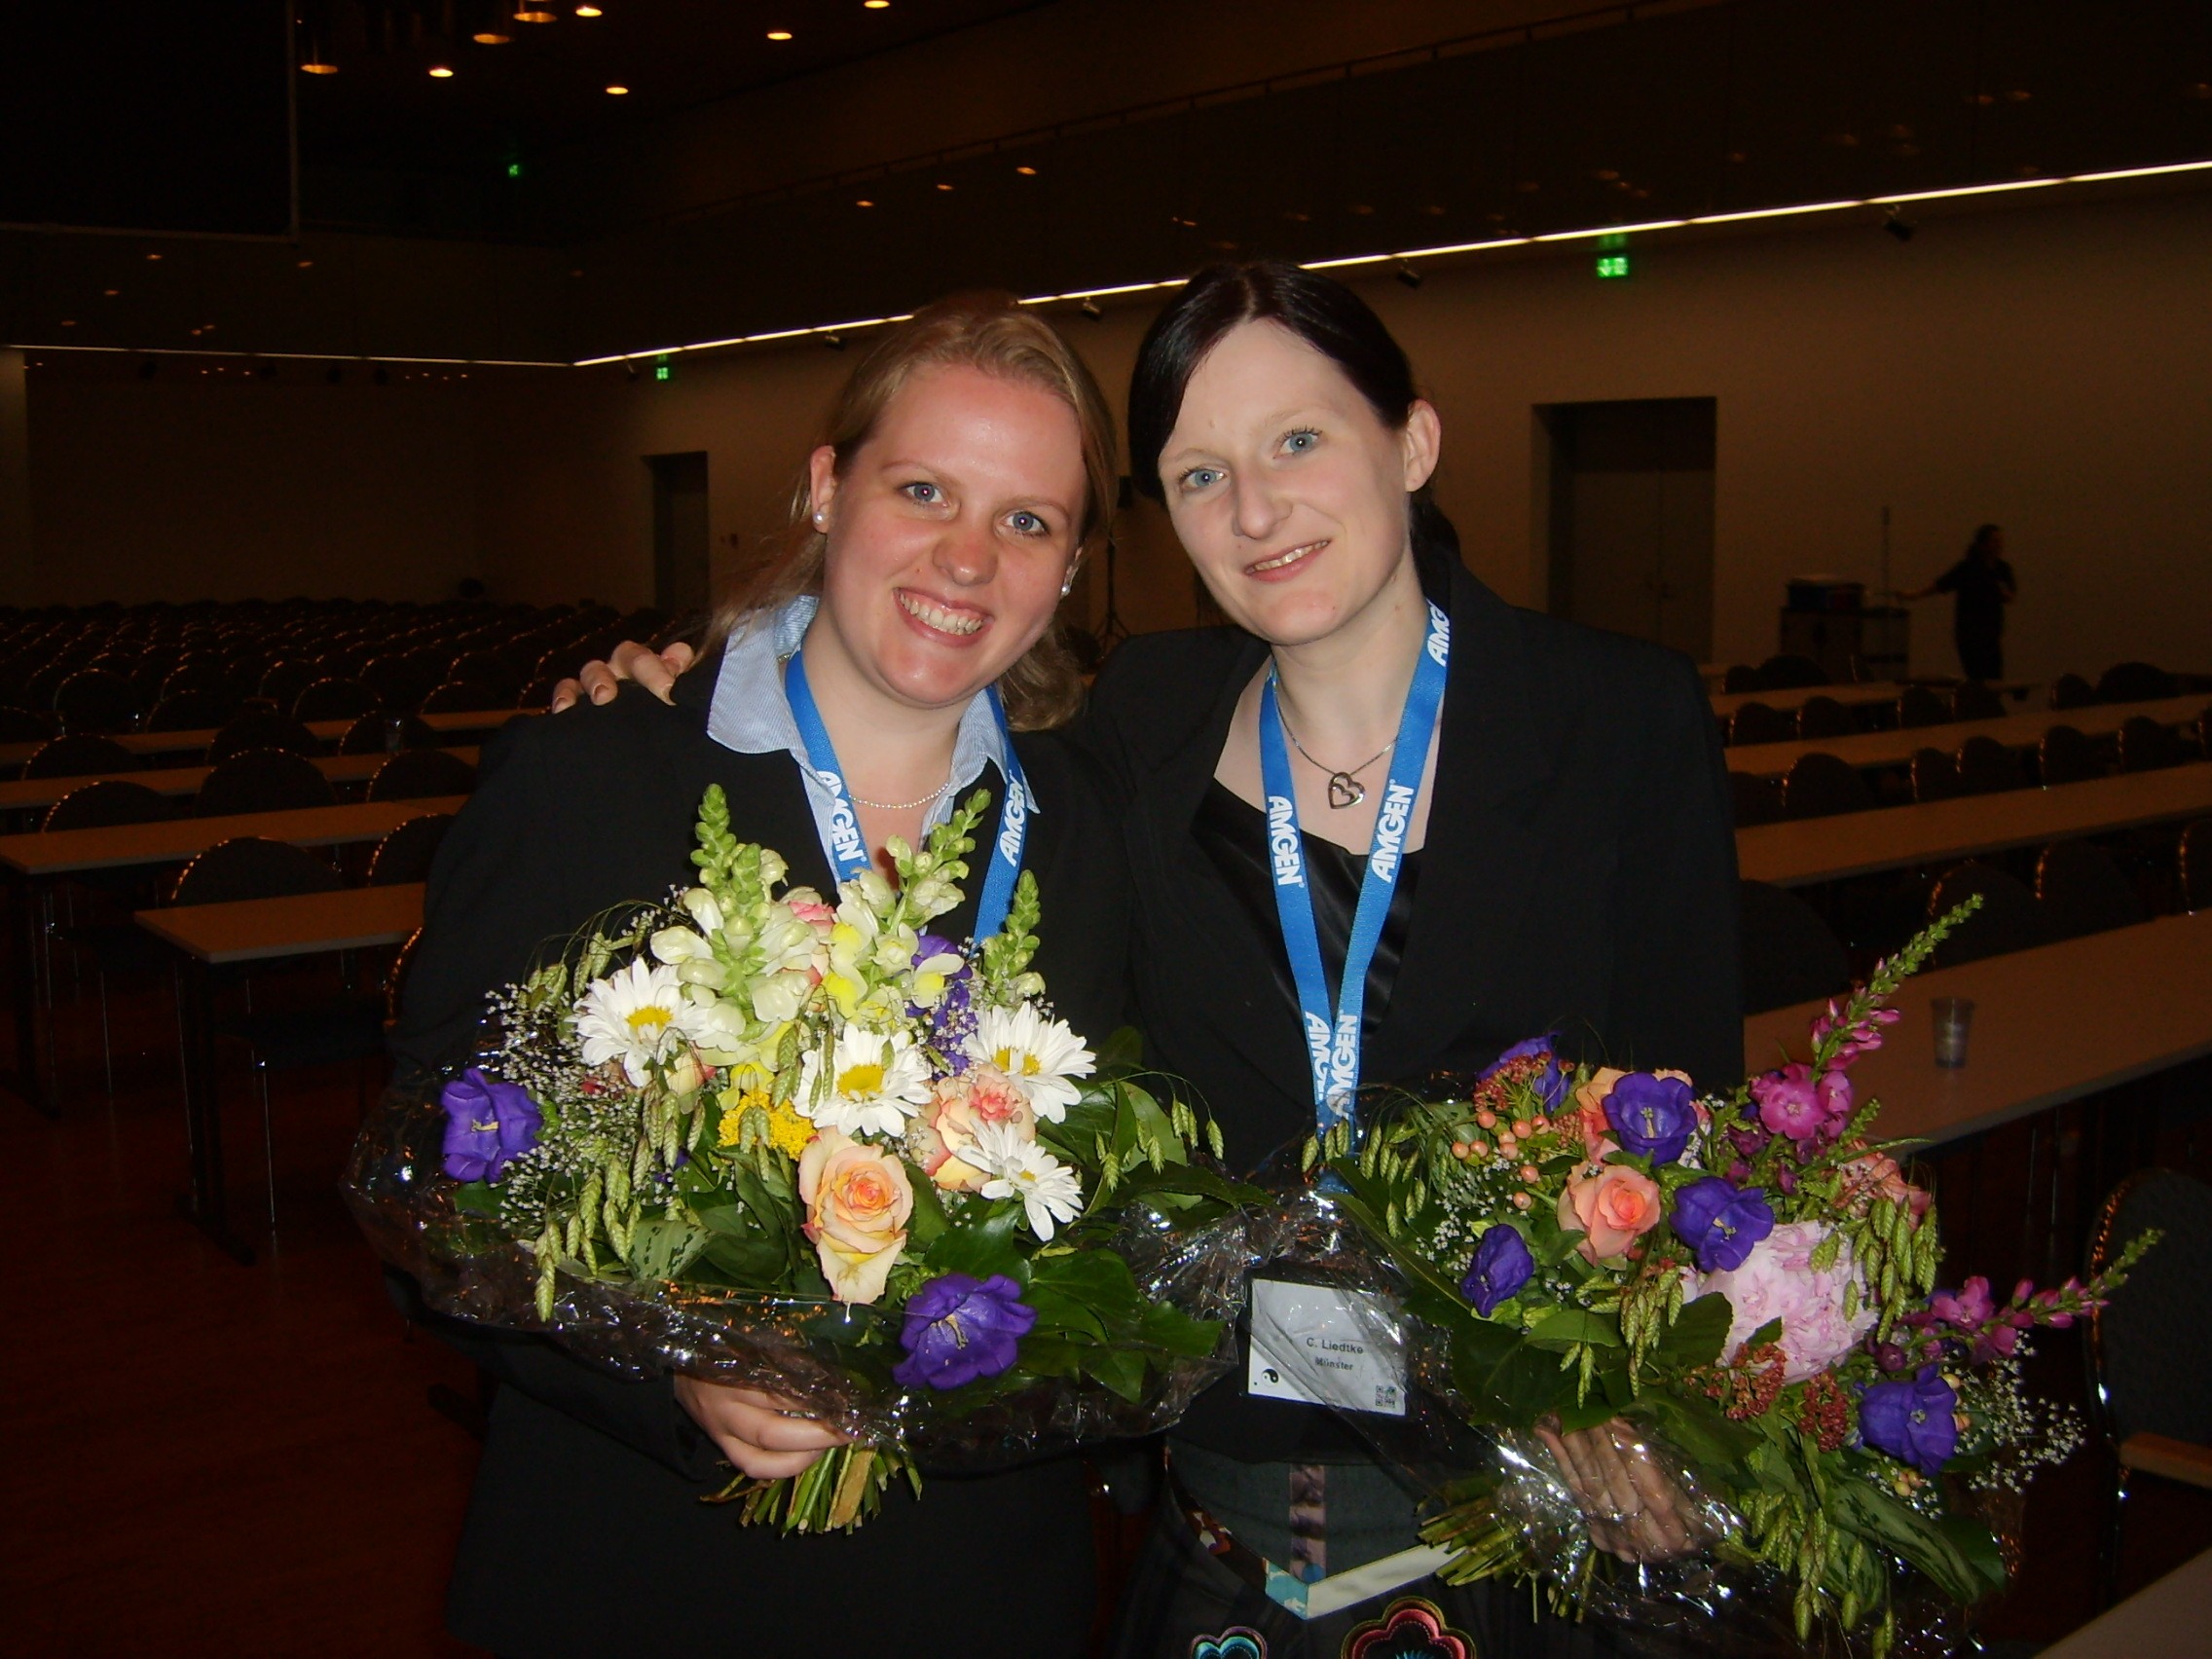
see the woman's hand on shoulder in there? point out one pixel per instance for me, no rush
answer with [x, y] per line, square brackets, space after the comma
[655, 670]
[760, 1434]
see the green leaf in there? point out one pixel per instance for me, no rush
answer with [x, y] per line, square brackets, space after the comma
[1696, 1337]
[1122, 1051]
[476, 1198]
[1502, 1379]
[1563, 1326]
[1168, 1328]
[1058, 1312]
[1121, 1369]
[984, 1248]
[927, 1223]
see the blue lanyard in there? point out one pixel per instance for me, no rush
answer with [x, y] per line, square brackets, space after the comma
[1333, 1041]
[848, 847]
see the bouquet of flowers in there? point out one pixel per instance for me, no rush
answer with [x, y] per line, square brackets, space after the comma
[1750, 1281]
[809, 1147]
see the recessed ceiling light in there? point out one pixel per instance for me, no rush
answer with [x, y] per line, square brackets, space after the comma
[154, 256]
[589, 12]
[305, 263]
[617, 91]
[779, 34]
[111, 292]
[319, 68]
[68, 322]
[877, 5]
[1026, 172]
[491, 37]
[439, 72]
[864, 201]
[528, 13]
[942, 186]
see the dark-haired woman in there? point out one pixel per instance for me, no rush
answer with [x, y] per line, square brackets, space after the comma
[1536, 813]
[1981, 586]
[966, 466]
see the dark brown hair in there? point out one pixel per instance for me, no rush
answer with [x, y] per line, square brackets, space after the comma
[996, 335]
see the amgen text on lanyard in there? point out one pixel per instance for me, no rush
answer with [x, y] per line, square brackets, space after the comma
[1333, 1035]
[848, 847]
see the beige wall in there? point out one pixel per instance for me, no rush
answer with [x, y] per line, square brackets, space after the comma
[2050, 368]
[189, 486]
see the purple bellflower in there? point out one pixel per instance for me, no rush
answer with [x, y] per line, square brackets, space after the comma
[1720, 1222]
[1550, 1081]
[1911, 1419]
[1654, 1117]
[959, 1328]
[488, 1125]
[1501, 1266]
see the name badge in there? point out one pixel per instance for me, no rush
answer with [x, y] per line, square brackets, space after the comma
[1325, 1346]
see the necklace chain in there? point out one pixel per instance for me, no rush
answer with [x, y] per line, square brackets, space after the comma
[1344, 788]
[899, 805]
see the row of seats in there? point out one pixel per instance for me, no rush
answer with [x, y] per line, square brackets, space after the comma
[1819, 785]
[1824, 717]
[1790, 954]
[2123, 682]
[109, 670]
[83, 755]
[258, 780]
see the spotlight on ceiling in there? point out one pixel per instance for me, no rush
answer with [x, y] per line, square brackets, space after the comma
[439, 72]
[491, 37]
[1898, 226]
[618, 92]
[317, 67]
[528, 11]
[1406, 274]
[836, 342]
[589, 11]
[1089, 309]
[779, 34]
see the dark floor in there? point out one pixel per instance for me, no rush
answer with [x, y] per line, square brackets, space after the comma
[209, 1459]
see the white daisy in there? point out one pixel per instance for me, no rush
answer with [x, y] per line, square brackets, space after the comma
[1048, 1190]
[637, 1015]
[1040, 1055]
[867, 1082]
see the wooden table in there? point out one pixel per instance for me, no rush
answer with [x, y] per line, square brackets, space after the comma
[1807, 850]
[325, 731]
[2049, 1025]
[256, 930]
[1849, 696]
[1896, 747]
[2166, 1620]
[30, 794]
[31, 859]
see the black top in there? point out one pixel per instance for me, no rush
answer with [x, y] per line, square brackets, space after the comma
[585, 1534]
[1235, 834]
[1981, 586]
[1578, 876]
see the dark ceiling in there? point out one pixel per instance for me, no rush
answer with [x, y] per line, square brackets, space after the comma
[385, 145]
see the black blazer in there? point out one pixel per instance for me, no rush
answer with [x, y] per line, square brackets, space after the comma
[585, 1536]
[1579, 875]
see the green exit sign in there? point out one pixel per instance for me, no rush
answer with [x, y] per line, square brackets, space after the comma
[1612, 265]
[661, 370]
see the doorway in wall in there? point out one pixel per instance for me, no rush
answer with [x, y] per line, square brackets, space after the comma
[681, 561]
[1628, 525]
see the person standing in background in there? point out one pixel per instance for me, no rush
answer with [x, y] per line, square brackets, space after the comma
[1983, 586]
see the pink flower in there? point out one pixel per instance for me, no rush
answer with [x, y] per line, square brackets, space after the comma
[857, 1207]
[1777, 1282]
[1615, 1205]
[813, 912]
[949, 1125]
[1789, 1104]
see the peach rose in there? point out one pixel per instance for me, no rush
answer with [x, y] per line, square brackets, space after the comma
[857, 1204]
[1612, 1204]
[947, 1125]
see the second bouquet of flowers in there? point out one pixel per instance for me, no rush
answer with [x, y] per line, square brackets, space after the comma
[807, 1146]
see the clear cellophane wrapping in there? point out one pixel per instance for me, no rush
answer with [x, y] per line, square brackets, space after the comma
[1709, 1602]
[810, 1350]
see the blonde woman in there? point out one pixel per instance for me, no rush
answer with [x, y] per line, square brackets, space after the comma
[966, 470]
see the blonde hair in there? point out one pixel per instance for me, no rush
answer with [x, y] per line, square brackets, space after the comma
[994, 334]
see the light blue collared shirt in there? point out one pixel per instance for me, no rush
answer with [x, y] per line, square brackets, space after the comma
[750, 714]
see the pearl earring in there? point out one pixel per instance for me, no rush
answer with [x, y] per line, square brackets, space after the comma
[817, 521]
[1067, 585]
